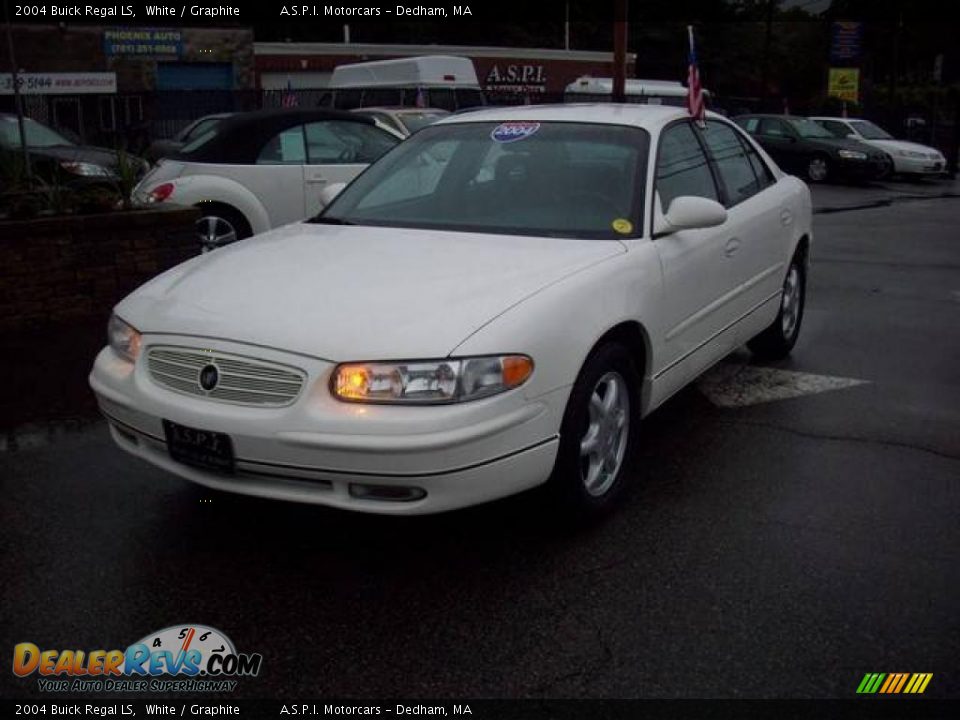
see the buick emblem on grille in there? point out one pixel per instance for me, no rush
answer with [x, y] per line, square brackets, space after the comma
[209, 377]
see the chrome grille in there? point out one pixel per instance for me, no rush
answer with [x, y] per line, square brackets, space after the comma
[242, 380]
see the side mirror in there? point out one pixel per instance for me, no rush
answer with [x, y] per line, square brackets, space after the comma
[690, 213]
[330, 192]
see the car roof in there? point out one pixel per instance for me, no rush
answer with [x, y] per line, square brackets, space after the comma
[400, 109]
[241, 137]
[427, 70]
[841, 119]
[649, 117]
[771, 115]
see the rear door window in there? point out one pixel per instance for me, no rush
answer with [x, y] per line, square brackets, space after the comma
[335, 142]
[285, 148]
[773, 127]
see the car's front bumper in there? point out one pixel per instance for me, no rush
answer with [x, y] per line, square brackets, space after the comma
[919, 166]
[872, 168]
[315, 449]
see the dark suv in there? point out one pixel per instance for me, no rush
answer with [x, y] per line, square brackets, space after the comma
[802, 147]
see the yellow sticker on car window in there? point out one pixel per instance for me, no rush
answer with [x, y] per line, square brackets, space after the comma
[622, 226]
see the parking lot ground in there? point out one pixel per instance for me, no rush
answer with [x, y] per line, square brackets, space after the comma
[838, 197]
[776, 549]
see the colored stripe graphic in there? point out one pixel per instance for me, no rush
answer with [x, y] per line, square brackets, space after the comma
[891, 679]
[894, 683]
[903, 679]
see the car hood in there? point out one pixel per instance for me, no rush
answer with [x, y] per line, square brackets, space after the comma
[356, 293]
[894, 145]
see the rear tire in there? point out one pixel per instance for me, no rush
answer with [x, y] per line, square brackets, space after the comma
[220, 225]
[597, 436]
[779, 338]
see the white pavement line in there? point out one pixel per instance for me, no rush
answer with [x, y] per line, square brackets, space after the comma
[731, 385]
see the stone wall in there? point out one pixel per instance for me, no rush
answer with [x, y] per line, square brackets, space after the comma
[54, 270]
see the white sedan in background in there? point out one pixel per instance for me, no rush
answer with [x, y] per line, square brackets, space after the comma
[909, 158]
[255, 171]
[424, 346]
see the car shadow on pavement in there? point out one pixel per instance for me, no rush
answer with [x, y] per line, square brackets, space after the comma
[287, 538]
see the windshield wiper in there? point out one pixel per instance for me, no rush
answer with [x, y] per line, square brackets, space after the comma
[328, 220]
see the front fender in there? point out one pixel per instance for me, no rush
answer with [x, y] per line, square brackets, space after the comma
[195, 189]
[560, 325]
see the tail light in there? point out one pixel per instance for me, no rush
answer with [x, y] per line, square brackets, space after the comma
[161, 192]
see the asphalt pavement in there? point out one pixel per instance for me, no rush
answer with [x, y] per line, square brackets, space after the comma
[773, 546]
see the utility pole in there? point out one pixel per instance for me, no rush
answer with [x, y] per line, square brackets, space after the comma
[17, 100]
[620, 51]
[566, 25]
[765, 71]
[896, 56]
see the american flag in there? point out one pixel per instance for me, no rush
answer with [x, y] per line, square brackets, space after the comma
[694, 90]
[289, 98]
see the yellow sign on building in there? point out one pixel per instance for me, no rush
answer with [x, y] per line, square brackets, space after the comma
[844, 83]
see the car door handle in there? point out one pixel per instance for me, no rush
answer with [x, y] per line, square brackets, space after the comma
[316, 179]
[733, 244]
[786, 217]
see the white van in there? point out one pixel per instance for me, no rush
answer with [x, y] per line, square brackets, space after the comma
[442, 81]
[651, 92]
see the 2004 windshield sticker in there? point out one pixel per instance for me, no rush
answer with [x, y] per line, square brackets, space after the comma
[509, 132]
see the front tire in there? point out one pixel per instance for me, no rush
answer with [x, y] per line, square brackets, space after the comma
[779, 338]
[597, 436]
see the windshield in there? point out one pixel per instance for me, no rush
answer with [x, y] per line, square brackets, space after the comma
[870, 131]
[556, 179]
[809, 129]
[414, 121]
[37, 135]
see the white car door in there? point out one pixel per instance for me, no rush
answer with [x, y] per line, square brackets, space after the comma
[759, 219]
[277, 177]
[338, 151]
[698, 274]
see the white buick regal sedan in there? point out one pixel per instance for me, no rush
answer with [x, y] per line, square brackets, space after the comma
[449, 331]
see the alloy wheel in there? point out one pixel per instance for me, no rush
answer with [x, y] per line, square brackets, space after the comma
[817, 169]
[790, 302]
[214, 231]
[604, 444]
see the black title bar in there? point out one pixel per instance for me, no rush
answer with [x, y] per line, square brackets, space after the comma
[880, 708]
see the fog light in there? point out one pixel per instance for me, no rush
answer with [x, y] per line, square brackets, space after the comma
[387, 493]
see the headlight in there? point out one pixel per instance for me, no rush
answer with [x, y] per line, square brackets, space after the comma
[123, 338]
[86, 169]
[430, 381]
[852, 154]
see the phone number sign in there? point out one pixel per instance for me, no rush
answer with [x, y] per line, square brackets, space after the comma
[86, 83]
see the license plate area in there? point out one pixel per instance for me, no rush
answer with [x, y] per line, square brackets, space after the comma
[200, 448]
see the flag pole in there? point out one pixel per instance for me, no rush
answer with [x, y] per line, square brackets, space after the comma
[695, 101]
